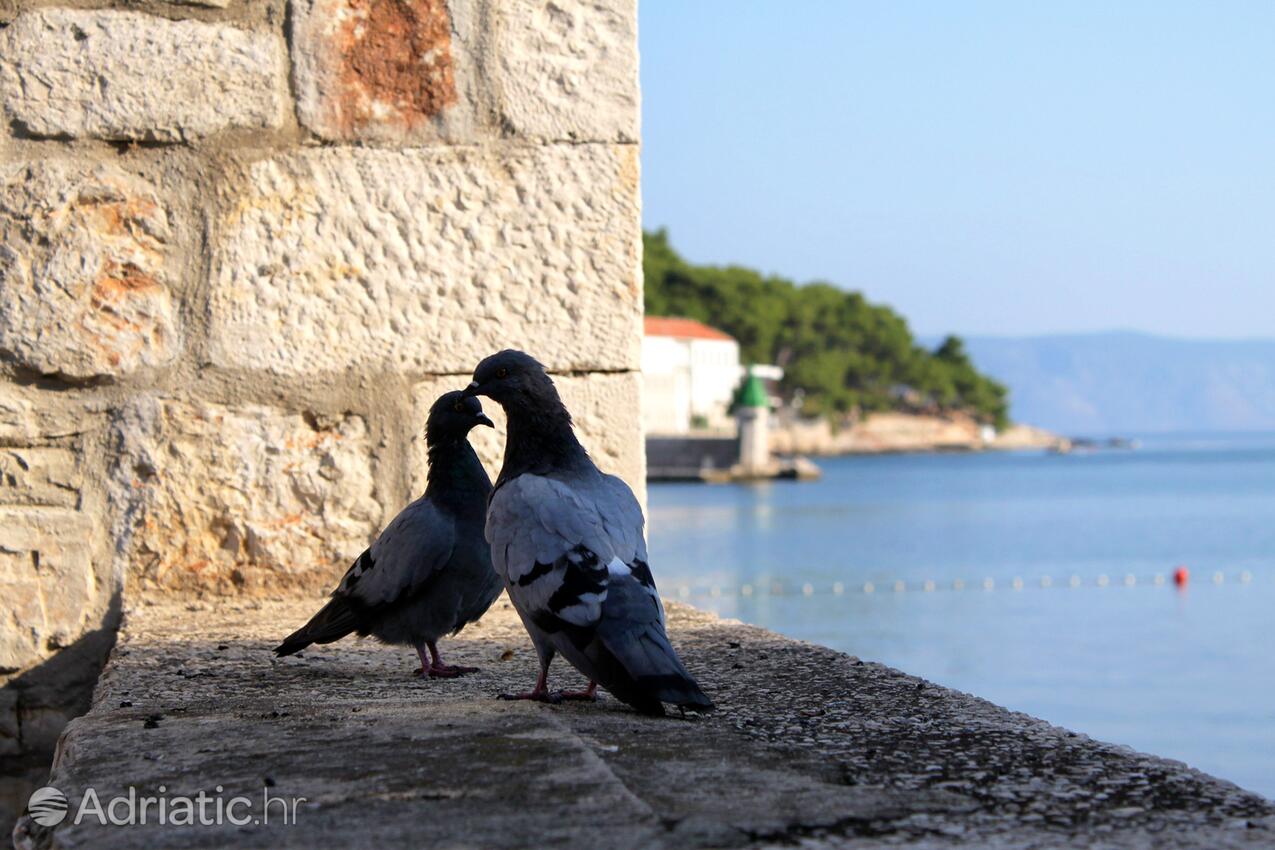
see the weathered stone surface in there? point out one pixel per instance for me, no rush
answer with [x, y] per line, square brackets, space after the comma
[83, 286]
[425, 261]
[17, 417]
[40, 475]
[29, 417]
[55, 576]
[125, 75]
[240, 498]
[604, 406]
[47, 580]
[568, 69]
[808, 748]
[382, 70]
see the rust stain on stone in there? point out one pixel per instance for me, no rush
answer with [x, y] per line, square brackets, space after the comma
[119, 280]
[118, 283]
[397, 63]
[113, 217]
[115, 327]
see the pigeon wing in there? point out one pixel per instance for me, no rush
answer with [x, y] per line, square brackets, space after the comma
[574, 558]
[413, 547]
[622, 517]
[555, 546]
[632, 624]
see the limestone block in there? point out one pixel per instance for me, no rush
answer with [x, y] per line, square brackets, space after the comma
[126, 75]
[605, 407]
[39, 475]
[47, 580]
[240, 498]
[83, 286]
[568, 69]
[30, 417]
[54, 577]
[383, 70]
[425, 261]
[17, 416]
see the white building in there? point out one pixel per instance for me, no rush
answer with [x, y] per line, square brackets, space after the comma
[689, 373]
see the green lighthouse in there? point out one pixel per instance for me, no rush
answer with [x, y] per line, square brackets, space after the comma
[752, 412]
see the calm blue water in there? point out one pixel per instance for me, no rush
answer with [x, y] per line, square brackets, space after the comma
[1185, 674]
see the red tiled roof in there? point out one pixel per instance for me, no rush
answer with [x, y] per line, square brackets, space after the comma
[675, 326]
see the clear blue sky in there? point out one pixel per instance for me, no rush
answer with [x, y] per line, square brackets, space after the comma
[1006, 168]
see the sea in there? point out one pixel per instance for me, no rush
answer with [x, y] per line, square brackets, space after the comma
[1042, 582]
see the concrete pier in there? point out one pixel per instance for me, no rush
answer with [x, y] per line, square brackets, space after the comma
[810, 748]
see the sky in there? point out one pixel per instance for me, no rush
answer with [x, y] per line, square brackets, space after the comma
[984, 168]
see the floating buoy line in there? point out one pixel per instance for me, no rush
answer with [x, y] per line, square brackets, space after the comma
[1179, 577]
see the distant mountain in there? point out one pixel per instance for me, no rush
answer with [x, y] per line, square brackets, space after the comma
[1121, 383]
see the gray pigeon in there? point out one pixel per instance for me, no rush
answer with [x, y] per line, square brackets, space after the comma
[568, 541]
[429, 573]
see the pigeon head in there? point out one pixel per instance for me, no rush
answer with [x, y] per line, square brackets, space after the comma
[540, 436]
[453, 415]
[517, 382]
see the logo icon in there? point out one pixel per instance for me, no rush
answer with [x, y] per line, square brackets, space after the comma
[47, 806]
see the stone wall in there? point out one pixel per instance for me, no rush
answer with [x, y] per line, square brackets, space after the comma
[243, 245]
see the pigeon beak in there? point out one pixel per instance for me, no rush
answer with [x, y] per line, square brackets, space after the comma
[472, 389]
[484, 419]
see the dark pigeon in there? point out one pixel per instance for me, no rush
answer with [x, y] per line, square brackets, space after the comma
[568, 542]
[430, 572]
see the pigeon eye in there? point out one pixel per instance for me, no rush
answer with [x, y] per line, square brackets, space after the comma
[502, 373]
[458, 407]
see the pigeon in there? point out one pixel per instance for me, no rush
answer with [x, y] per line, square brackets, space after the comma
[568, 542]
[429, 573]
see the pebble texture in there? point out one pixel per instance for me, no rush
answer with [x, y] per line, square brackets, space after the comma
[602, 409]
[83, 285]
[125, 75]
[809, 748]
[428, 260]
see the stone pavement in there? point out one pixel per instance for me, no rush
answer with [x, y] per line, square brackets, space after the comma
[810, 748]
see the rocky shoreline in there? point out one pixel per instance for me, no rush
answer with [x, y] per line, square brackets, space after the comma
[891, 433]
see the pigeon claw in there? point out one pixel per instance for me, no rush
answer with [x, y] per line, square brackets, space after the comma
[448, 671]
[589, 694]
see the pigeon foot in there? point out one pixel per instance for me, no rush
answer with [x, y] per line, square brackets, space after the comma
[449, 671]
[589, 694]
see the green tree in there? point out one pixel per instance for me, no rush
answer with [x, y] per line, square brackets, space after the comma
[841, 350]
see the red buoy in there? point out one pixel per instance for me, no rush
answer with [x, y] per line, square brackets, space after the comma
[1181, 576]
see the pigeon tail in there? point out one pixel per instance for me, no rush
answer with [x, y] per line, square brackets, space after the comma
[650, 672]
[333, 622]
